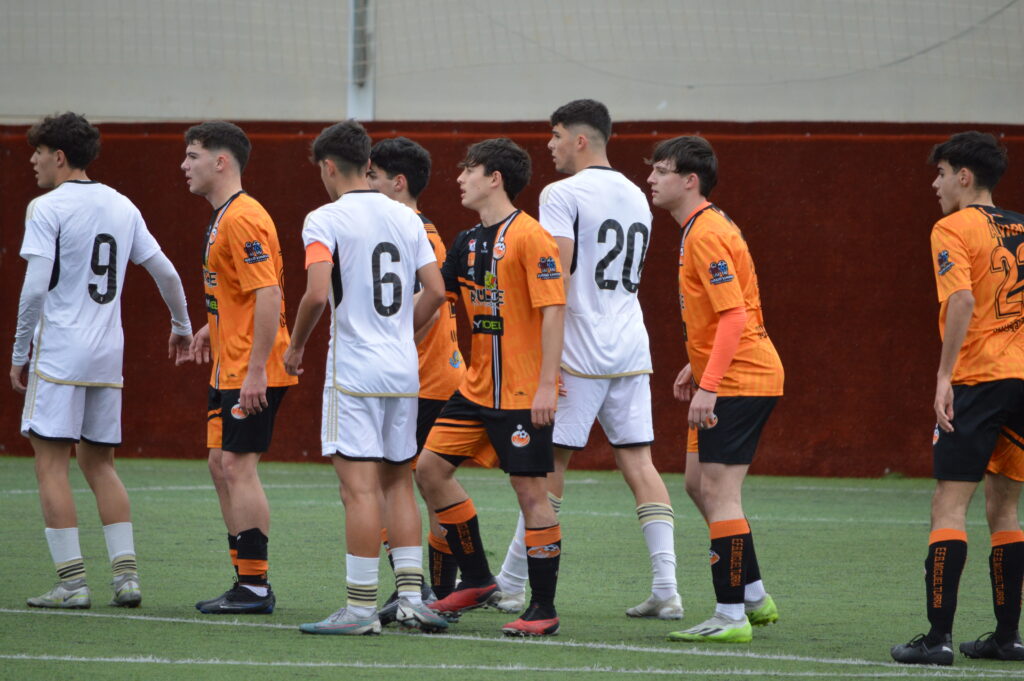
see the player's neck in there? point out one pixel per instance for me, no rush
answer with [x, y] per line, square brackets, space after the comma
[224, 191]
[497, 209]
[408, 201]
[687, 207]
[976, 197]
[355, 182]
[69, 174]
[585, 161]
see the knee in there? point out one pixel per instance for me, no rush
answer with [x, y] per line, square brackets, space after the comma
[692, 484]
[431, 472]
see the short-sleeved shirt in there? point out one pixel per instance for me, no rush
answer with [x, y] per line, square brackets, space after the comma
[505, 273]
[377, 245]
[716, 273]
[981, 249]
[90, 231]
[241, 254]
[442, 367]
[608, 219]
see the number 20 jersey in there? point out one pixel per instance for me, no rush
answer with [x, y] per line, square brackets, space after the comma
[377, 245]
[608, 218]
[91, 232]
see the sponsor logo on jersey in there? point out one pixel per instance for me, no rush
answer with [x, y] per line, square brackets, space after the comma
[483, 296]
[491, 325]
[719, 272]
[945, 264]
[471, 245]
[210, 278]
[520, 438]
[548, 269]
[254, 253]
[935, 435]
[455, 360]
[499, 250]
[470, 261]
[238, 412]
[714, 557]
[211, 304]
[548, 551]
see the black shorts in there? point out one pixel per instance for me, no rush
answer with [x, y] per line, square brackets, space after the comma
[466, 430]
[427, 413]
[228, 429]
[740, 422]
[979, 412]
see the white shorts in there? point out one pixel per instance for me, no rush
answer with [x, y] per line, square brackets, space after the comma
[621, 405]
[368, 428]
[58, 411]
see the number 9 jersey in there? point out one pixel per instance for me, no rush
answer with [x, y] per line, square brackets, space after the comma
[90, 231]
[608, 218]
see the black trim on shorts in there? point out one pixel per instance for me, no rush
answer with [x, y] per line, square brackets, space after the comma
[100, 444]
[452, 459]
[249, 435]
[634, 444]
[981, 411]
[69, 440]
[426, 414]
[740, 422]
[1013, 437]
[570, 448]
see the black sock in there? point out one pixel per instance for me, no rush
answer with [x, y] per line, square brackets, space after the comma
[1006, 570]
[462, 532]
[943, 567]
[252, 557]
[543, 555]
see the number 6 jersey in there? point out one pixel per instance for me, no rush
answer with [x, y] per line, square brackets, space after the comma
[90, 231]
[608, 218]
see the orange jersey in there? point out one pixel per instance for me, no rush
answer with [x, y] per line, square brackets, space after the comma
[241, 254]
[506, 273]
[441, 365]
[981, 249]
[716, 273]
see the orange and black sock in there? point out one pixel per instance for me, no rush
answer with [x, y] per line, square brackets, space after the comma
[729, 558]
[1006, 569]
[753, 569]
[443, 567]
[543, 554]
[252, 557]
[462, 531]
[947, 555]
[233, 552]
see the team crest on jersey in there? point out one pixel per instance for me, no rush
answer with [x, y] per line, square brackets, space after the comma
[455, 360]
[520, 438]
[714, 557]
[213, 235]
[945, 264]
[499, 250]
[471, 245]
[238, 412]
[548, 269]
[254, 253]
[490, 281]
[719, 272]
[548, 551]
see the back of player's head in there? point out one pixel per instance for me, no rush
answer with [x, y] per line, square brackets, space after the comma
[346, 143]
[587, 112]
[221, 136]
[979, 152]
[505, 156]
[70, 133]
[402, 156]
[691, 154]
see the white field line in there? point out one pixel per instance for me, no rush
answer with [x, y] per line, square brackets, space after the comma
[903, 670]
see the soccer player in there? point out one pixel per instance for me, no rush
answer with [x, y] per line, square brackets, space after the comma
[78, 240]
[400, 169]
[506, 269]
[732, 382]
[246, 338]
[364, 252]
[602, 225]
[978, 257]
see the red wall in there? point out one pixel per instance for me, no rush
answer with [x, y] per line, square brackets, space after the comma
[837, 217]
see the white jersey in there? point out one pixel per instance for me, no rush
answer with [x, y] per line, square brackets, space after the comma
[91, 232]
[608, 218]
[377, 244]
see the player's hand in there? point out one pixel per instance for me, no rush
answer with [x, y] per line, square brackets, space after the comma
[252, 398]
[683, 387]
[16, 383]
[545, 402]
[944, 404]
[293, 360]
[179, 348]
[702, 409]
[562, 390]
[200, 349]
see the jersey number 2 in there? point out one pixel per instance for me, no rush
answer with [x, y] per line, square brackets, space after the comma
[1009, 301]
[109, 269]
[629, 241]
[389, 278]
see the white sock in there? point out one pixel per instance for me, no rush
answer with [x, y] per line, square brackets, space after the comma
[120, 540]
[754, 592]
[661, 545]
[260, 591]
[361, 577]
[409, 572]
[514, 572]
[63, 544]
[733, 611]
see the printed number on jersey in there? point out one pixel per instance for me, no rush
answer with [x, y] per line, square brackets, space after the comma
[386, 253]
[104, 266]
[611, 232]
[1010, 294]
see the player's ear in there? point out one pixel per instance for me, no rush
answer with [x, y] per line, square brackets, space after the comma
[401, 183]
[60, 158]
[495, 180]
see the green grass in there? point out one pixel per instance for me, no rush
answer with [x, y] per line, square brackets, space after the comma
[843, 559]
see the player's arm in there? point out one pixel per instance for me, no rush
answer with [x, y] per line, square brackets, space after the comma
[727, 340]
[546, 400]
[959, 309]
[266, 316]
[429, 298]
[566, 250]
[30, 308]
[179, 345]
[314, 300]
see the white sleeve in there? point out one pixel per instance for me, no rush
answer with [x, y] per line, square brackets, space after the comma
[558, 210]
[314, 231]
[30, 306]
[41, 229]
[144, 245]
[169, 283]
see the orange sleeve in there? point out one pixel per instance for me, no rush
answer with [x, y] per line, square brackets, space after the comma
[317, 252]
[727, 341]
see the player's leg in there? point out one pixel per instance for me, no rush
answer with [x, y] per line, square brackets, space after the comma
[214, 440]
[692, 479]
[443, 567]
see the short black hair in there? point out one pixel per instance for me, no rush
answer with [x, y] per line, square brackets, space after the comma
[979, 152]
[691, 154]
[346, 143]
[221, 135]
[505, 156]
[402, 156]
[588, 112]
[69, 132]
